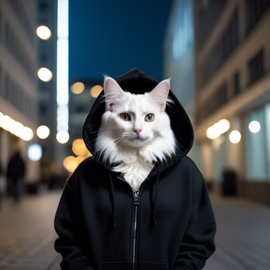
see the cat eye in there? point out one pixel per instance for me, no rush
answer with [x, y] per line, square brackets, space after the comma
[125, 116]
[149, 117]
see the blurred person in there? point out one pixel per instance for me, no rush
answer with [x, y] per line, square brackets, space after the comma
[16, 172]
[139, 202]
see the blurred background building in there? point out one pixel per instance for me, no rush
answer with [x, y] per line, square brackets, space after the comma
[47, 16]
[18, 83]
[230, 63]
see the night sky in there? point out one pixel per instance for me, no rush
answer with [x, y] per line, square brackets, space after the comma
[112, 37]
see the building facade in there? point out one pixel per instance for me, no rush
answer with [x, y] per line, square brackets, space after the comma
[47, 16]
[178, 56]
[232, 82]
[18, 81]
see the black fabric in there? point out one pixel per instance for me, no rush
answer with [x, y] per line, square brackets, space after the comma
[175, 225]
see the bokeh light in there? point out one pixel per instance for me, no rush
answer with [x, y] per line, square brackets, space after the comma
[34, 152]
[43, 32]
[235, 136]
[67, 160]
[254, 126]
[96, 90]
[44, 74]
[6, 122]
[18, 129]
[62, 136]
[15, 127]
[217, 129]
[43, 132]
[71, 163]
[79, 148]
[77, 88]
[27, 134]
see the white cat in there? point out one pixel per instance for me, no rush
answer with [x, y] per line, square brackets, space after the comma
[135, 130]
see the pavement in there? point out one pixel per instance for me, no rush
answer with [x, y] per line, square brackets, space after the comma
[27, 235]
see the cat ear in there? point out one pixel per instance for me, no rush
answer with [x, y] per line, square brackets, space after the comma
[112, 91]
[160, 93]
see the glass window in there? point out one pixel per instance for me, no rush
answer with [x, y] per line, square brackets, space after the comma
[256, 67]
[254, 10]
[236, 83]
[43, 109]
[257, 145]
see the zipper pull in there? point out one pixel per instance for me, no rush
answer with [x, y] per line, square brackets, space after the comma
[136, 197]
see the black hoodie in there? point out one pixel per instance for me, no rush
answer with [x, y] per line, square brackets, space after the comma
[104, 225]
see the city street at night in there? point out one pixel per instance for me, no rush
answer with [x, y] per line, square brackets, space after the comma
[175, 92]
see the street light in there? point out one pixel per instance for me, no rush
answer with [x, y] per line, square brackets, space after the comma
[43, 132]
[217, 129]
[235, 136]
[254, 126]
[62, 137]
[45, 74]
[43, 32]
[27, 134]
[34, 152]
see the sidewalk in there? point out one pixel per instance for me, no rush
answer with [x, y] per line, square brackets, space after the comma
[243, 235]
[27, 235]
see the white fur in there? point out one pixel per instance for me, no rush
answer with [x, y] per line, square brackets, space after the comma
[117, 139]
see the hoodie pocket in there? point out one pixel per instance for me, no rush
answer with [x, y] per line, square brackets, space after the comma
[118, 265]
[145, 265]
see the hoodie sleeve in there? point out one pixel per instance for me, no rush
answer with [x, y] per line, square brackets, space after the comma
[69, 226]
[198, 241]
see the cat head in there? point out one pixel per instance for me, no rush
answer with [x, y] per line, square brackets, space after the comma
[135, 121]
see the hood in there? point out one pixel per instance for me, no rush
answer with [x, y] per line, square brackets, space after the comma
[139, 82]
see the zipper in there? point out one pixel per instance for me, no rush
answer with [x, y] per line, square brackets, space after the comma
[136, 204]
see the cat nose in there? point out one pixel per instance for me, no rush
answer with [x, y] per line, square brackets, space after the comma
[137, 131]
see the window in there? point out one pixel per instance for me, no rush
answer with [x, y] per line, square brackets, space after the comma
[254, 10]
[236, 83]
[14, 45]
[256, 67]
[221, 50]
[79, 108]
[23, 17]
[207, 17]
[43, 109]
[257, 145]
[43, 57]
[213, 103]
[43, 6]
